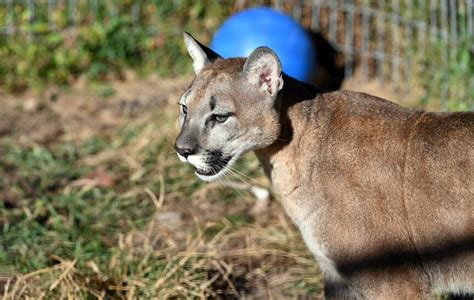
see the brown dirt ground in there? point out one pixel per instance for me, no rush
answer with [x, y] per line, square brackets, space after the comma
[79, 112]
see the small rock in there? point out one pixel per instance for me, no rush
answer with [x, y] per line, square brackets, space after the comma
[31, 105]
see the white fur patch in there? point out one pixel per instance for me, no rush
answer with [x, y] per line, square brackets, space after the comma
[197, 161]
[260, 193]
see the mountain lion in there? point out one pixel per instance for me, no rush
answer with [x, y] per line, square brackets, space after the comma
[382, 195]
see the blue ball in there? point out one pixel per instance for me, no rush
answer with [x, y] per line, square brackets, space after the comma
[252, 28]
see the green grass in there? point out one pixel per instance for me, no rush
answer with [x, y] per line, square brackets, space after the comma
[449, 88]
[103, 47]
[50, 217]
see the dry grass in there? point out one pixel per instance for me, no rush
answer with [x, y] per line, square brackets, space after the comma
[254, 261]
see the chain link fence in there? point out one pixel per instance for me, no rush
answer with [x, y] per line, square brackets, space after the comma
[404, 43]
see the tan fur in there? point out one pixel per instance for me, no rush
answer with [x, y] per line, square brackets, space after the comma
[381, 194]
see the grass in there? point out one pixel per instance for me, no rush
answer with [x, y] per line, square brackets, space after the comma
[116, 215]
[100, 45]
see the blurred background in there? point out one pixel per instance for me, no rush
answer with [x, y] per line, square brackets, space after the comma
[93, 201]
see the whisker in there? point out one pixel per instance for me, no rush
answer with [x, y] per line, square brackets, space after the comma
[218, 178]
[180, 87]
[243, 174]
[240, 178]
[230, 181]
[236, 172]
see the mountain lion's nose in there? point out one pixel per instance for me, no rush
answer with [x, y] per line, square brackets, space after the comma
[183, 150]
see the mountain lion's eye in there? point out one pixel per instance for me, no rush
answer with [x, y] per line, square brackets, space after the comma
[184, 109]
[220, 118]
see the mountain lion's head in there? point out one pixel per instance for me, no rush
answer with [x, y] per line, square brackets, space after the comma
[229, 109]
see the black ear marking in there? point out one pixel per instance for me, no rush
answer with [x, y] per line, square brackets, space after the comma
[200, 54]
[211, 55]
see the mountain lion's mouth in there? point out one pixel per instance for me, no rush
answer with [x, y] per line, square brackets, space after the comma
[206, 172]
[214, 168]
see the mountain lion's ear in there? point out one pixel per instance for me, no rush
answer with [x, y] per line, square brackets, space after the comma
[200, 54]
[263, 68]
